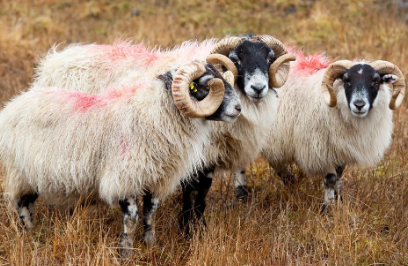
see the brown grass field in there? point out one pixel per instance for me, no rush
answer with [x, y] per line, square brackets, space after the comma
[277, 225]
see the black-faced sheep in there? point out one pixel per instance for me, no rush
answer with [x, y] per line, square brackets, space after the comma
[356, 130]
[61, 144]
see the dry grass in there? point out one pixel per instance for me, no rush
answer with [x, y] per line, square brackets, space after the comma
[277, 226]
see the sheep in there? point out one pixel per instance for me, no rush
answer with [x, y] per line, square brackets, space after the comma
[94, 68]
[356, 129]
[261, 65]
[61, 144]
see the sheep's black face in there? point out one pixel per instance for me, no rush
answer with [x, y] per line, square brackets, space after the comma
[230, 107]
[253, 60]
[361, 84]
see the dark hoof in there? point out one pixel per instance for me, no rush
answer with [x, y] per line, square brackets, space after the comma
[325, 209]
[241, 192]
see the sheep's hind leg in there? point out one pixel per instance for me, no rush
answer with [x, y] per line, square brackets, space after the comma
[240, 183]
[130, 220]
[25, 209]
[150, 204]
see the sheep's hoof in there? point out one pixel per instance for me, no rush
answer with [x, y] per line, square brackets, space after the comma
[241, 192]
[127, 246]
[125, 253]
[325, 209]
[149, 239]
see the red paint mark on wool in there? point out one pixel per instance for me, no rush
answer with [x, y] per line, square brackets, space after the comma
[139, 53]
[309, 64]
[84, 101]
[125, 50]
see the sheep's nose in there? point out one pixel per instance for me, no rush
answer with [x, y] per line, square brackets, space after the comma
[258, 88]
[359, 104]
[238, 107]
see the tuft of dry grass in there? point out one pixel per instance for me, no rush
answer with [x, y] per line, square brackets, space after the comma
[277, 225]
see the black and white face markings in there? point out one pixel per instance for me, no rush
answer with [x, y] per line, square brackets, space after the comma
[130, 220]
[25, 209]
[240, 183]
[361, 84]
[229, 109]
[332, 187]
[150, 204]
[194, 194]
[253, 60]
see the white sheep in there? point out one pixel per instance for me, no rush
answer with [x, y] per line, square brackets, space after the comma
[356, 130]
[261, 62]
[62, 145]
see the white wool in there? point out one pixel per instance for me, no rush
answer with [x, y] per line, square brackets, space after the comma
[318, 138]
[51, 146]
[84, 68]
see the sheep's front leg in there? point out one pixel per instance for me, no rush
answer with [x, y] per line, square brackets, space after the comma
[130, 220]
[25, 209]
[198, 189]
[332, 186]
[339, 183]
[150, 204]
[240, 183]
[205, 181]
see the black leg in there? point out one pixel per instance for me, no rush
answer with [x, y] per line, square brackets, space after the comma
[199, 188]
[150, 204]
[205, 181]
[187, 211]
[339, 183]
[25, 209]
[130, 220]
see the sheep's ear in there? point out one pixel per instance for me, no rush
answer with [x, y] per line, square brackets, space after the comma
[167, 79]
[389, 78]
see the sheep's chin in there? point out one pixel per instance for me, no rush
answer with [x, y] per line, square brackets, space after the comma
[359, 114]
[256, 99]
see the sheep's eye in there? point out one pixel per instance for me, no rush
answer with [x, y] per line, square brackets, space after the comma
[377, 83]
[270, 60]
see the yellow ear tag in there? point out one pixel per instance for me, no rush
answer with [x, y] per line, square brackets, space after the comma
[194, 89]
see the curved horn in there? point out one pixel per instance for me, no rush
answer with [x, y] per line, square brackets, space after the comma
[279, 70]
[229, 77]
[181, 86]
[277, 46]
[219, 59]
[225, 45]
[334, 71]
[398, 91]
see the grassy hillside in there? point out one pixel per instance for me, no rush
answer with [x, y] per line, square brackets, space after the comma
[277, 225]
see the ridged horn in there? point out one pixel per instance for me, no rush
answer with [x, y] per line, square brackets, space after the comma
[219, 59]
[398, 91]
[181, 87]
[334, 71]
[225, 45]
[279, 70]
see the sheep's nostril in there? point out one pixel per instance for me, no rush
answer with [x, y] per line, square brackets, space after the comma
[238, 108]
[258, 88]
[359, 104]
